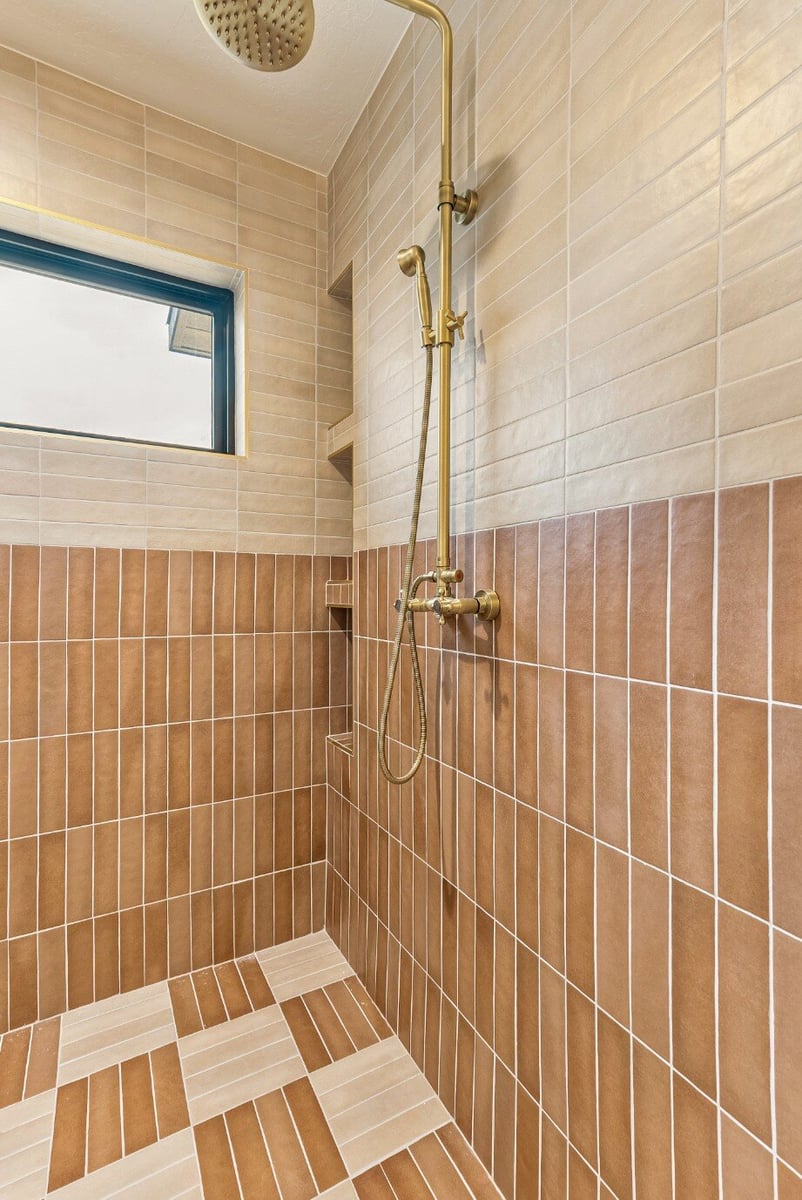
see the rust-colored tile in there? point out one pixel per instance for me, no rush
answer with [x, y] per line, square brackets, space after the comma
[790, 1185]
[649, 591]
[746, 1166]
[552, 1045]
[24, 694]
[52, 593]
[311, 1047]
[52, 689]
[553, 1161]
[466, 1162]
[788, 1048]
[43, 1060]
[107, 594]
[321, 1150]
[80, 581]
[551, 593]
[612, 591]
[285, 1149]
[168, 1086]
[256, 1178]
[693, 986]
[615, 1099]
[695, 1143]
[504, 583]
[743, 804]
[438, 1170]
[526, 681]
[13, 1063]
[744, 1054]
[51, 876]
[139, 1117]
[527, 538]
[157, 579]
[649, 773]
[579, 592]
[359, 1028]
[23, 968]
[68, 1153]
[652, 1101]
[504, 847]
[233, 992]
[787, 819]
[132, 594]
[23, 783]
[52, 785]
[244, 593]
[692, 556]
[612, 903]
[612, 750]
[692, 787]
[743, 585]
[551, 722]
[105, 1143]
[579, 735]
[580, 888]
[216, 1164]
[264, 614]
[526, 852]
[22, 886]
[373, 1185]
[24, 593]
[650, 958]
[552, 892]
[335, 1038]
[582, 1074]
[787, 567]
[404, 1177]
[255, 983]
[505, 1098]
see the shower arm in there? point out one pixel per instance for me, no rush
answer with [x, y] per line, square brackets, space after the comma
[463, 208]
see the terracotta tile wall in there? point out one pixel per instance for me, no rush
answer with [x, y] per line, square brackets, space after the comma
[585, 918]
[73, 148]
[634, 301]
[163, 719]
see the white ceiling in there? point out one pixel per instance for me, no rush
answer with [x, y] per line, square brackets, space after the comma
[158, 52]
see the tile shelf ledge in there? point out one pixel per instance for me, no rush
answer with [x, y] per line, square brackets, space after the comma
[340, 593]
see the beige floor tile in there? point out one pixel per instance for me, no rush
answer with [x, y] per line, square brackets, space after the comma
[232, 1063]
[343, 1191]
[377, 1102]
[25, 1132]
[303, 965]
[167, 1170]
[115, 1030]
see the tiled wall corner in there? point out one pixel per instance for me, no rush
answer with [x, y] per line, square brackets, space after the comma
[163, 731]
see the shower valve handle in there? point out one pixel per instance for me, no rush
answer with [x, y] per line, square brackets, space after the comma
[455, 323]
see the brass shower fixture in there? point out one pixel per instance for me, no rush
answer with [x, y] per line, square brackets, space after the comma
[452, 206]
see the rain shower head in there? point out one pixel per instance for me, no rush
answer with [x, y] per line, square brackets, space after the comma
[268, 35]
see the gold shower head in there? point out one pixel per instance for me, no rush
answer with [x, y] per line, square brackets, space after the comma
[268, 35]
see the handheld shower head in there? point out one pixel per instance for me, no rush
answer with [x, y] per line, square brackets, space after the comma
[412, 262]
[268, 35]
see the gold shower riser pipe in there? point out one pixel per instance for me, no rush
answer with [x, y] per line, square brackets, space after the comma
[464, 208]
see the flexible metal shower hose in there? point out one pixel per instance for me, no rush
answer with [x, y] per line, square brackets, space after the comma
[408, 592]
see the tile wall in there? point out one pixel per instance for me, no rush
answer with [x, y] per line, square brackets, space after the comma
[632, 279]
[163, 720]
[584, 918]
[74, 148]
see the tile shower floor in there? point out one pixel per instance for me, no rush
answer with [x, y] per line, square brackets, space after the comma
[271, 1078]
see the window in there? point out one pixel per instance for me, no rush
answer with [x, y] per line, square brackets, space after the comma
[105, 349]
